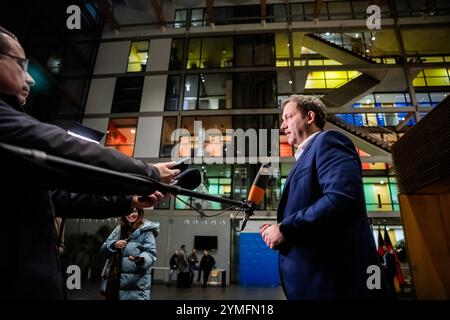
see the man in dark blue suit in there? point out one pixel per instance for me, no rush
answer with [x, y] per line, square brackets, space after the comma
[323, 234]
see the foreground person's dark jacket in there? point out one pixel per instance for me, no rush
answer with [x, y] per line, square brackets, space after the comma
[29, 264]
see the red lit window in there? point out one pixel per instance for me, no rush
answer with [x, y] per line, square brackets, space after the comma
[121, 135]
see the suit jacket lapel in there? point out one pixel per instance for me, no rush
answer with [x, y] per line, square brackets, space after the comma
[285, 193]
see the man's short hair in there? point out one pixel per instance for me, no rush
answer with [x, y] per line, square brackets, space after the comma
[4, 44]
[309, 103]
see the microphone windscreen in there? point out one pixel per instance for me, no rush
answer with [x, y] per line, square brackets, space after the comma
[189, 179]
[259, 186]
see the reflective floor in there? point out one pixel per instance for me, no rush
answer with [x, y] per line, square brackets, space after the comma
[91, 291]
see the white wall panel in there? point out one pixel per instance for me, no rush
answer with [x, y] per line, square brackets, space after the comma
[148, 137]
[100, 96]
[112, 57]
[154, 93]
[159, 55]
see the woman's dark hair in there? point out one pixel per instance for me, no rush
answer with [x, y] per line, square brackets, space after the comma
[139, 222]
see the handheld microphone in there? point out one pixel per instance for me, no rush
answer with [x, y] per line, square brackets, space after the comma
[188, 179]
[257, 191]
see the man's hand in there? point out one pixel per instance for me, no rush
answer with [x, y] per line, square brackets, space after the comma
[147, 202]
[271, 235]
[167, 174]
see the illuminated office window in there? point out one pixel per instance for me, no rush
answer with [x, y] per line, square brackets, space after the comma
[374, 166]
[137, 60]
[208, 91]
[282, 49]
[432, 77]
[329, 79]
[377, 193]
[210, 52]
[243, 176]
[180, 18]
[211, 145]
[197, 17]
[121, 135]
[393, 189]
[216, 180]
[285, 148]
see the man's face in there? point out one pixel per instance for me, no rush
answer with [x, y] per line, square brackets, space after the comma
[294, 124]
[13, 79]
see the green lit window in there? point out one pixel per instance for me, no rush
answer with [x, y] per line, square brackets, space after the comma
[377, 193]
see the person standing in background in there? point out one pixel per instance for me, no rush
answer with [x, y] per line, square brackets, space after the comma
[206, 265]
[131, 249]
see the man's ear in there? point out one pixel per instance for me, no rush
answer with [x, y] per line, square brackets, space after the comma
[311, 117]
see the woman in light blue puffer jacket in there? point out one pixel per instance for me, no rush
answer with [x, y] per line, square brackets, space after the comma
[131, 249]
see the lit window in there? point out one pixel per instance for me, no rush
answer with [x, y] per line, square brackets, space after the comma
[137, 60]
[121, 135]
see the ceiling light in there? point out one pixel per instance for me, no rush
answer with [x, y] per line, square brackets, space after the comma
[133, 131]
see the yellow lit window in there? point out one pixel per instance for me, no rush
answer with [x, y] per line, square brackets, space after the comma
[433, 59]
[329, 62]
[435, 72]
[419, 82]
[316, 75]
[335, 83]
[353, 74]
[390, 61]
[372, 119]
[440, 81]
[315, 62]
[336, 74]
[282, 63]
[137, 60]
[315, 84]
[193, 61]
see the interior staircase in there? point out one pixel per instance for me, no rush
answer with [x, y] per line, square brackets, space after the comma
[386, 143]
